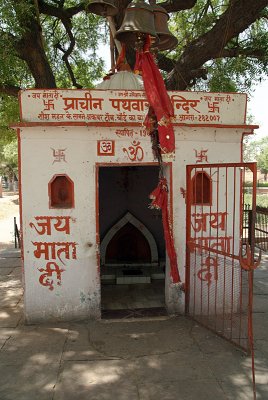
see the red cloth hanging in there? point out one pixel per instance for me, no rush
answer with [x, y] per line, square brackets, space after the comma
[161, 108]
[158, 98]
[160, 201]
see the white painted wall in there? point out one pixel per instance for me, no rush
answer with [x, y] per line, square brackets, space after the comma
[79, 294]
[223, 145]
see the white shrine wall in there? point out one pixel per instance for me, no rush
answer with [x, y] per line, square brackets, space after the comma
[221, 146]
[78, 296]
[75, 149]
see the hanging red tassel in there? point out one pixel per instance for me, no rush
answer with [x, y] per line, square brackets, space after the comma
[158, 98]
[137, 67]
[160, 201]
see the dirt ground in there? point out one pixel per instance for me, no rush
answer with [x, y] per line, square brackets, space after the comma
[9, 205]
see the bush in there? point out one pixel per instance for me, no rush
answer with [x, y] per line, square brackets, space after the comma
[259, 184]
[261, 200]
[247, 184]
[262, 184]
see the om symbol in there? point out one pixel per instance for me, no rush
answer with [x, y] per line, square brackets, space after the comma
[134, 152]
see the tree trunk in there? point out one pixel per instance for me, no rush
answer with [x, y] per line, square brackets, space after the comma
[31, 49]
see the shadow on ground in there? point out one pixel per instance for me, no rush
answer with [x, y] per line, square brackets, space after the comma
[152, 359]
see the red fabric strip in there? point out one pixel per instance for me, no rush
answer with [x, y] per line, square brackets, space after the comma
[160, 200]
[158, 98]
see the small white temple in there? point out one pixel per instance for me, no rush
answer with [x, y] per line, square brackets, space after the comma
[86, 171]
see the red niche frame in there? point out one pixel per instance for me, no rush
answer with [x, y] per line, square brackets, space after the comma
[61, 192]
[202, 189]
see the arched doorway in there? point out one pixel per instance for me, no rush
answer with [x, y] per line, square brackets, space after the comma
[128, 246]
[128, 241]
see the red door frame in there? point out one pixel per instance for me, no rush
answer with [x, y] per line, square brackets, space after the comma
[145, 164]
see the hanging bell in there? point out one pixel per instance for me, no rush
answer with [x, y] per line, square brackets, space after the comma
[167, 41]
[138, 21]
[103, 8]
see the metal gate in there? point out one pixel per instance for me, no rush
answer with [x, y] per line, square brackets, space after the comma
[261, 225]
[218, 289]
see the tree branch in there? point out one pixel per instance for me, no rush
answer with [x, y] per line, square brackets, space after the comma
[68, 65]
[247, 52]
[178, 5]
[165, 63]
[30, 47]
[10, 90]
[60, 12]
[8, 36]
[64, 15]
[238, 16]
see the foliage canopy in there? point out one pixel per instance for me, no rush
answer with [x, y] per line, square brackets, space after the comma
[223, 46]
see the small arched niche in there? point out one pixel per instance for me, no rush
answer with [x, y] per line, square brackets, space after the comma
[202, 189]
[128, 242]
[61, 192]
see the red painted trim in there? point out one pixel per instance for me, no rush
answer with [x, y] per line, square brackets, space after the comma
[65, 123]
[254, 198]
[241, 126]
[97, 212]
[249, 165]
[192, 188]
[98, 165]
[112, 124]
[127, 164]
[105, 90]
[20, 105]
[100, 152]
[120, 90]
[189, 201]
[20, 207]
[188, 237]
[50, 192]
[241, 204]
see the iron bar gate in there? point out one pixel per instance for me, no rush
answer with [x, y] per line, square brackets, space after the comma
[261, 226]
[218, 289]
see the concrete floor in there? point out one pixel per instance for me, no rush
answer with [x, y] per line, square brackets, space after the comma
[164, 358]
[122, 297]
